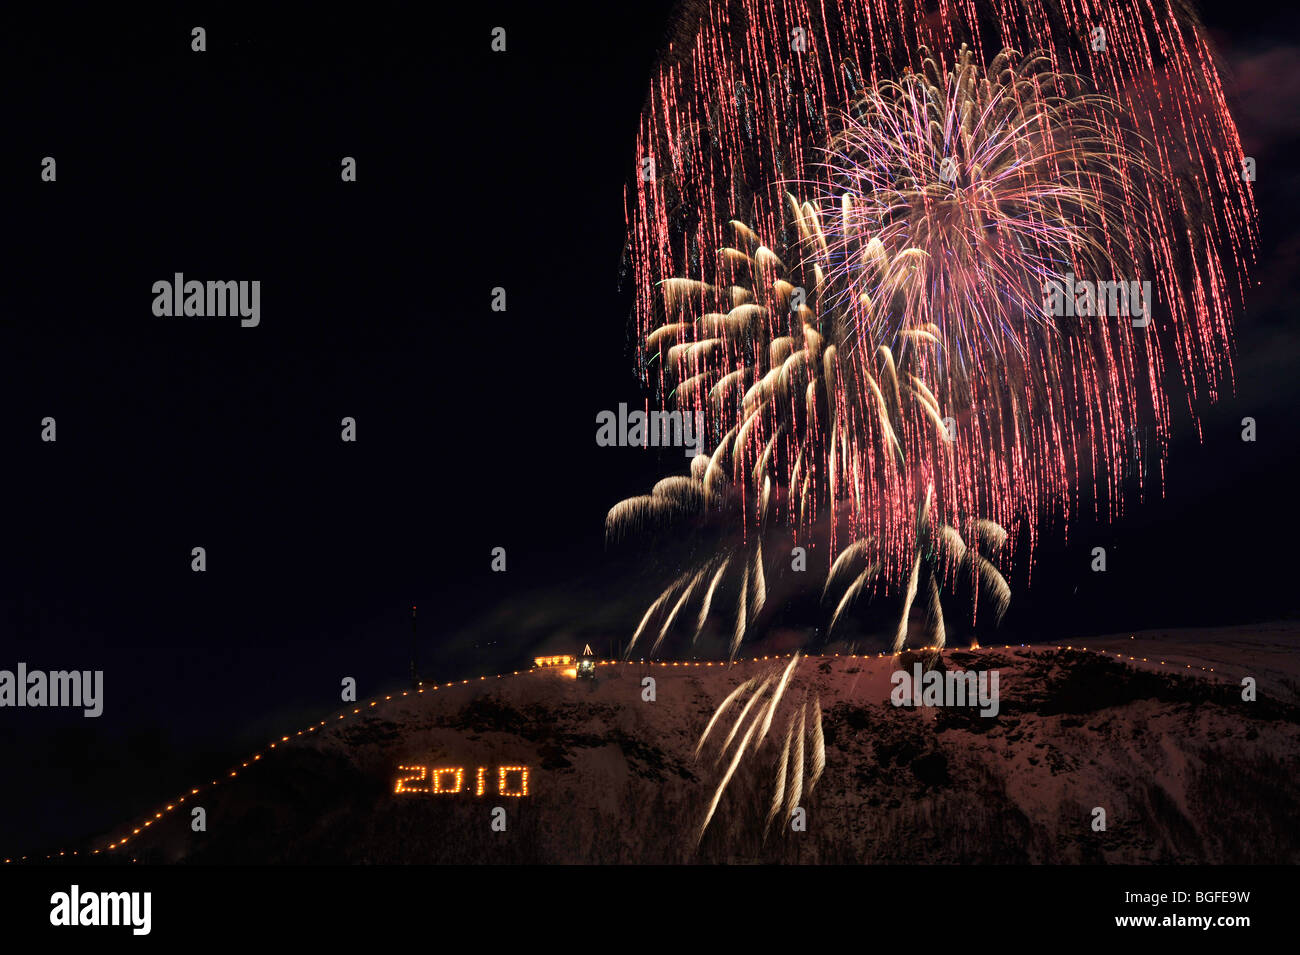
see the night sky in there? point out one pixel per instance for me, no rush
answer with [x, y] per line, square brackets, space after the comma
[475, 428]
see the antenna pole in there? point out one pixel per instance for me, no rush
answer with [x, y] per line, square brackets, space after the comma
[415, 673]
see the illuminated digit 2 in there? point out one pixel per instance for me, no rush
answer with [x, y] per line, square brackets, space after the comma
[421, 774]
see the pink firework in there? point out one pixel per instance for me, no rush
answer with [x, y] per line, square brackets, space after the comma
[848, 225]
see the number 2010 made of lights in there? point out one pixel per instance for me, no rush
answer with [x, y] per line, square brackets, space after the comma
[450, 780]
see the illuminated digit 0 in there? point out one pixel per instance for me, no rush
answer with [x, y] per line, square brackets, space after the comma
[422, 773]
[438, 774]
[523, 780]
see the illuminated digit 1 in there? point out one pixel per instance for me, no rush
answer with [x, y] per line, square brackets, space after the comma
[478, 790]
[422, 774]
[438, 774]
[523, 780]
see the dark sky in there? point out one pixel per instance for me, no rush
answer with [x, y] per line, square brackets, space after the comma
[476, 429]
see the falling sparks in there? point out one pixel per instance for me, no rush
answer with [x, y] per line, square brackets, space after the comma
[797, 760]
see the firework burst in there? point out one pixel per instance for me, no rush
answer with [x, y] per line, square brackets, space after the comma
[912, 206]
